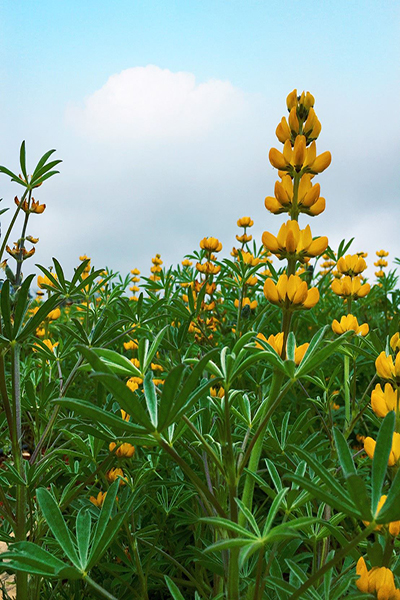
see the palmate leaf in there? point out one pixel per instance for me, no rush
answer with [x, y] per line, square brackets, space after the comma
[325, 496]
[314, 357]
[99, 415]
[327, 477]
[57, 525]
[31, 558]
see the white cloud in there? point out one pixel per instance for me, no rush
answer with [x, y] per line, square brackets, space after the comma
[145, 103]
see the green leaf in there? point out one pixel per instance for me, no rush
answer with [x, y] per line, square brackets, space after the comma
[117, 363]
[327, 477]
[153, 349]
[151, 398]
[104, 517]
[173, 588]
[344, 454]
[228, 544]
[219, 522]
[33, 323]
[169, 391]
[359, 495]
[56, 523]
[319, 492]
[128, 400]
[249, 516]
[22, 160]
[273, 510]
[6, 309]
[83, 529]
[391, 509]
[291, 346]
[21, 304]
[314, 359]
[182, 398]
[381, 457]
[13, 176]
[99, 415]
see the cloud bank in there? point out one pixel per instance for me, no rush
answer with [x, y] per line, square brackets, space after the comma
[149, 103]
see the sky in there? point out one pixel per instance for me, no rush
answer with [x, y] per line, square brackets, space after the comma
[164, 112]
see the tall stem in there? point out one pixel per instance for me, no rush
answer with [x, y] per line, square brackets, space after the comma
[248, 490]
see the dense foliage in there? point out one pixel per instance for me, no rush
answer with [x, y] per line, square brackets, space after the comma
[230, 430]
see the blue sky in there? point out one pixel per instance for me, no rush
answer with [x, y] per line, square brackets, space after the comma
[158, 191]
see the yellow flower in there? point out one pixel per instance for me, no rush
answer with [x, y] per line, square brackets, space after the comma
[386, 368]
[246, 302]
[244, 239]
[216, 391]
[382, 253]
[35, 207]
[283, 132]
[276, 342]
[211, 244]
[379, 274]
[248, 258]
[125, 450]
[45, 281]
[135, 272]
[349, 323]
[208, 268]
[125, 415]
[133, 383]
[291, 100]
[351, 265]
[157, 260]
[19, 253]
[113, 474]
[350, 286]
[54, 314]
[383, 401]
[299, 158]
[379, 580]
[369, 447]
[32, 240]
[394, 526]
[50, 345]
[245, 222]
[292, 240]
[381, 263]
[291, 291]
[131, 345]
[99, 500]
[395, 342]
[187, 263]
[308, 197]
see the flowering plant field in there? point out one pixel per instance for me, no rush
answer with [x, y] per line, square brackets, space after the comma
[226, 428]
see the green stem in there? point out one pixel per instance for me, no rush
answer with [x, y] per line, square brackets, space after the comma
[256, 449]
[338, 556]
[347, 391]
[205, 444]
[56, 410]
[195, 479]
[99, 589]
